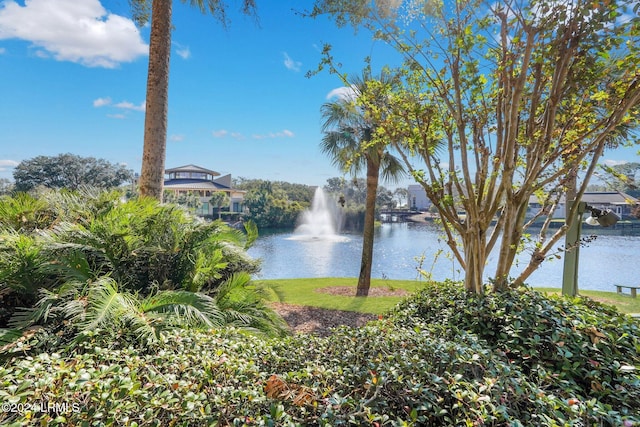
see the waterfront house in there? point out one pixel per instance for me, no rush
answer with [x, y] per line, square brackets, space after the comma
[618, 202]
[418, 199]
[203, 183]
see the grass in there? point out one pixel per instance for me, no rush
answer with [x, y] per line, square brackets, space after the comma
[624, 303]
[304, 292]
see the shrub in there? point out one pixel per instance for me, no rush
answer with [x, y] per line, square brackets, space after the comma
[576, 347]
[136, 264]
[441, 358]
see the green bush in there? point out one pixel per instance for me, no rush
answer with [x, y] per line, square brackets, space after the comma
[137, 265]
[442, 358]
[576, 347]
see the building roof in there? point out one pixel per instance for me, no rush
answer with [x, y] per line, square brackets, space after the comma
[600, 197]
[609, 198]
[191, 168]
[194, 184]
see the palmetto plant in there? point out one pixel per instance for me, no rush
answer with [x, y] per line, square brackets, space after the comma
[133, 268]
[24, 213]
[81, 308]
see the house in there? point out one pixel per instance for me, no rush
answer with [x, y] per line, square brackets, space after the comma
[203, 183]
[418, 199]
[619, 203]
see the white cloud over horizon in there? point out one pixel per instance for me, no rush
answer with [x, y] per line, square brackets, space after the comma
[126, 105]
[67, 30]
[123, 105]
[271, 135]
[291, 64]
[8, 164]
[101, 102]
[222, 133]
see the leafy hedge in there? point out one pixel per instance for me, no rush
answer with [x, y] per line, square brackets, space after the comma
[575, 345]
[440, 359]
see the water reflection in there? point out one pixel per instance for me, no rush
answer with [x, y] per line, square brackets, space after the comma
[398, 248]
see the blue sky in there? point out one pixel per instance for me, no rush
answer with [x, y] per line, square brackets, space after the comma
[73, 79]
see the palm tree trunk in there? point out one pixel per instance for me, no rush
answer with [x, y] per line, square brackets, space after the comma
[155, 123]
[364, 280]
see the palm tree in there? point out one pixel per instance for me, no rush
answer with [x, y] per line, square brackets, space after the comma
[155, 123]
[349, 141]
[218, 200]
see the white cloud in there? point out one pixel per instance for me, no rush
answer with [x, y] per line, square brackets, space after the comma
[8, 164]
[117, 116]
[222, 133]
[176, 138]
[272, 135]
[182, 51]
[126, 105]
[345, 93]
[70, 30]
[219, 133]
[290, 63]
[101, 102]
[2, 50]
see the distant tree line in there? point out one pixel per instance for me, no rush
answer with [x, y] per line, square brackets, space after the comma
[68, 171]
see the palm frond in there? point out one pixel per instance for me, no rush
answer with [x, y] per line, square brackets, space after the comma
[392, 168]
[244, 306]
[184, 308]
[70, 265]
[106, 305]
[60, 303]
[251, 230]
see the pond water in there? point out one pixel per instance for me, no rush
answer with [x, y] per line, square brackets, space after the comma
[399, 247]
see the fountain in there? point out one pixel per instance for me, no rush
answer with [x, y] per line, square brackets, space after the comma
[321, 221]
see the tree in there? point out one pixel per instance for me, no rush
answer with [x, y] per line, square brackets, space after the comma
[218, 200]
[526, 96]
[155, 124]
[349, 141]
[69, 171]
[622, 177]
[402, 194]
[6, 186]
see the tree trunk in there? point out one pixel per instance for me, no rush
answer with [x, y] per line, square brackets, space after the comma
[475, 259]
[155, 122]
[364, 280]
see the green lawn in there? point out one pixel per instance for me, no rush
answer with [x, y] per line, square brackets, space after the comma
[305, 292]
[624, 303]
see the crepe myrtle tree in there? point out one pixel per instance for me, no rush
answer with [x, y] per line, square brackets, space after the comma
[157, 101]
[526, 96]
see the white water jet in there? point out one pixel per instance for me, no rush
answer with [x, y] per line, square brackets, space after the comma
[321, 221]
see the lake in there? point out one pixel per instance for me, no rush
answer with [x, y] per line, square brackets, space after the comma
[611, 258]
